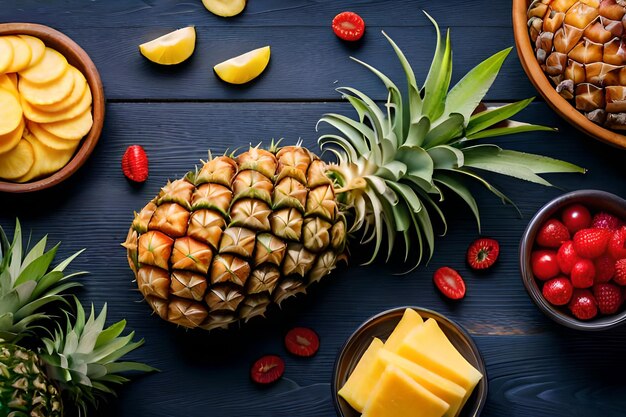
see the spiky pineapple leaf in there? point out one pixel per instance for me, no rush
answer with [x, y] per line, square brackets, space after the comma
[438, 79]
[511, 127]
[456, 186]
[444, 132]
[491, 116]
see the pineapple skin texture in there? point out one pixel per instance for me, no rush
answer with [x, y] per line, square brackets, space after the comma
[237, 236]
[25, 390]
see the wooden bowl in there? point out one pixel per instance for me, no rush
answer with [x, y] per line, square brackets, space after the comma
[595, 200]
[77, 57]
[544, 86]
[381, 326]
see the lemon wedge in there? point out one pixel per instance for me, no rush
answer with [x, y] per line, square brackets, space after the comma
[172, 48]
[244, 68]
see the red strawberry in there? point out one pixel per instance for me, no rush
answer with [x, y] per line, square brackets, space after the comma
[617, 244]
[576, 217]
[267, 369]
[348, 26]
[450, 283]
[135, 163]
[558, 291]
[544, 264]
[483, 253]
[620, 272]
[583, 273]
[302, 341]
[604, 220]
[552, 234]
[605, 268]
[609, 297]
[583, 305]
[591, 243]
[566, 256]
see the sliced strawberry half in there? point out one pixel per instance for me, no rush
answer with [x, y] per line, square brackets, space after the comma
[348, 26]
[450, 283]
[302, 341]
[483, 253]
[267, 369]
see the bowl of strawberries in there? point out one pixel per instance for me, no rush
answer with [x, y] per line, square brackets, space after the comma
[573, 260]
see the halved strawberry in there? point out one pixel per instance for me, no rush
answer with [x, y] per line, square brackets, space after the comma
[591, 243]
[267, 369]
[450, 283]
[348, 26]
[302, 341]
[483, 253]
[552, 234]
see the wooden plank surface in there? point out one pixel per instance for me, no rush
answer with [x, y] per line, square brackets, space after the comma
[535, 367]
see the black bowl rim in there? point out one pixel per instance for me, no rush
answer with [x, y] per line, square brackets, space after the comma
[485, 380]
[528, 279]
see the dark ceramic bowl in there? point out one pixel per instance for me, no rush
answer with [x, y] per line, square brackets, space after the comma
[381, 326]
[595, 200]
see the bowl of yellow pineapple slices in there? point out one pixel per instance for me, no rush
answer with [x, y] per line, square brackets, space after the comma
[574, 52]
[51, 107]
[408, 361]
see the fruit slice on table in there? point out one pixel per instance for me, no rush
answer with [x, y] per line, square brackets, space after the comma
[348, 26]
[75, 128]
[301, 341]
[37, 48]
[6, 54]
[244, 68]
[48, 93]
[10, 140]
[397, 394]
[51, 66]
[443, 388]
[483, 253]
[78, 90]
[18, 161]
[363, 379]
[267, 369]
[21, 54]
[450, 283]
[50, 140]
[47, 160]
[10, 112]
[172, 48]
[35, 113]
[410, 321]
[225, 8]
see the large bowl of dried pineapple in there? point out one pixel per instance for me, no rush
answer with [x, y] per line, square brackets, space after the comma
[574, 52]
[51, 107]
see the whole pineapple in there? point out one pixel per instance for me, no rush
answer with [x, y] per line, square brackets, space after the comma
[580, 46]
[248, 231]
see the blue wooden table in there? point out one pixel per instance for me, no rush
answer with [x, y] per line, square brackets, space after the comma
[535, 367]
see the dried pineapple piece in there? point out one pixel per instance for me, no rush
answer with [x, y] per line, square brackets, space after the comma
[18, 161]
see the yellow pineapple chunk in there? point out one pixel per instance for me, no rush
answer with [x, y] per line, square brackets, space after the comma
[361, 382]
[428, 346]
[580, 15]
[397, 394]
[17, 162]
[443, 388]
[410, 320]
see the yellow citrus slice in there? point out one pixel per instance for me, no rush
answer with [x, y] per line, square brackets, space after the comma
[225, 8]
[37, 48]
[7, 83]
[52, 66]
[21, 54]
[10, 111]
[172, 48]
[78, 91]
[47, 160]
[70, 129]
[10, 140]
[41, 116]
[48, 93]
[49, 139]
[18, 161]
[244, 68]
[6, 54]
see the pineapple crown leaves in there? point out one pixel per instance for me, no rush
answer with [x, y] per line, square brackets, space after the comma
[27, 283]
[83, 358]
[395, 162]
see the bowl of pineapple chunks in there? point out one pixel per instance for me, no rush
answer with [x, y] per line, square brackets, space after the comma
[574, 53]
[408, 361]
[51, 107]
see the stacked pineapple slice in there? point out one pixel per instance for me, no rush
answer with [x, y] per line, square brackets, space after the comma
[580, 46]
[45, 109]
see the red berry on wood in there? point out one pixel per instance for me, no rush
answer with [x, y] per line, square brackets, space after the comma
[301, 341]
[450, 283]
[135, 163]
[483, 253]
[348, 26]
[267, 369]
